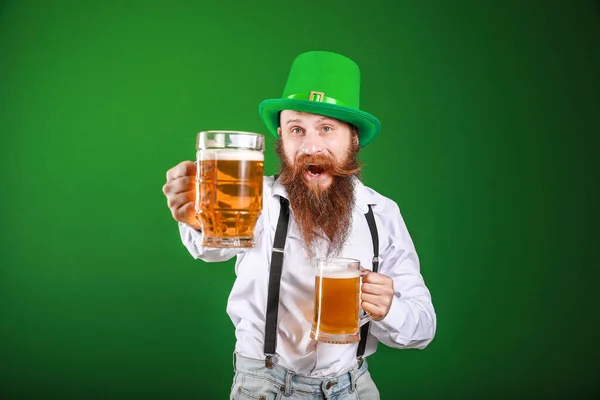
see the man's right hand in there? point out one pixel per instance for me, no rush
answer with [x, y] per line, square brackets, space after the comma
[180, 190]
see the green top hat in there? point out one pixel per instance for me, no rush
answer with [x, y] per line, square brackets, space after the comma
[324, 83]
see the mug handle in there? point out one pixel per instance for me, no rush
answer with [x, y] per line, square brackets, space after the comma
[366, 317]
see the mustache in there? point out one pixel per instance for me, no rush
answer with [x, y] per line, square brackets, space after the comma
[325, 162]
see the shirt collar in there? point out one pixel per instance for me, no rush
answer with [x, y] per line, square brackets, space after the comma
[363, 196]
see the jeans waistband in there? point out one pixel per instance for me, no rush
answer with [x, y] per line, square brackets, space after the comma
[291, 381]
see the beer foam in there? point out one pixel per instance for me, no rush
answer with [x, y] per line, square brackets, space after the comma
[229, 154]
[336, 272]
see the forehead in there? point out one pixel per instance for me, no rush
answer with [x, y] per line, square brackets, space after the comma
[299, 116]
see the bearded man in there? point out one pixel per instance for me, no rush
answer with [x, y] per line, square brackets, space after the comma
[319, 129]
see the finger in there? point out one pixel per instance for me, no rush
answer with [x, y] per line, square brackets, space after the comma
[178, 200]
[374, 277]
[373, 310]
[186, 213]
[375, 300]
[179, 185]
[184, 168]
[377, 289]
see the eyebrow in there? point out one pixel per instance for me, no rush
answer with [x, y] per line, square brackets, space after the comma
[326, 118]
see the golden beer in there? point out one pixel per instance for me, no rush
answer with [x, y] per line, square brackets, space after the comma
[337, 317]
[229, 189]
[336, 305]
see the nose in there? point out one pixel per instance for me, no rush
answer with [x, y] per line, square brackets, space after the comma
[312, 143]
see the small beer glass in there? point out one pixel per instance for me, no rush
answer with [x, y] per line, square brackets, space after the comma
[337, 309]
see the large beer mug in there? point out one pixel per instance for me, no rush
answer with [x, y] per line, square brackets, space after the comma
[337, 311]
[229, 186]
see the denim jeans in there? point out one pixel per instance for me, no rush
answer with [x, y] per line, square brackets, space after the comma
[253, 380]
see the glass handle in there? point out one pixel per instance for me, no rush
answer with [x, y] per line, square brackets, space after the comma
[366, 317]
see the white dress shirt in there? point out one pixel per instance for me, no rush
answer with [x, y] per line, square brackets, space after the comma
[410, 323]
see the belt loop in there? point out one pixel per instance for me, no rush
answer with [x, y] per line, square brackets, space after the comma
[234, 362]
[288, 384]
[352, 381]
[325, 390]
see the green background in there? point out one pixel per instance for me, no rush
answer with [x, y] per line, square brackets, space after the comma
[490, 112]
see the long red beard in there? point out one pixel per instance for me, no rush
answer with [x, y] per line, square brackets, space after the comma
[316, 209]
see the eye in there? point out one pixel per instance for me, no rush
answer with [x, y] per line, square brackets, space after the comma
[327, 128]
[296, 130]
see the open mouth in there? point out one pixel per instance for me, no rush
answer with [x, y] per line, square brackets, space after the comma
[315, 170]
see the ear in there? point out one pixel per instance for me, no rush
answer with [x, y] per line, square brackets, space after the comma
[279, 132]
[355, 138]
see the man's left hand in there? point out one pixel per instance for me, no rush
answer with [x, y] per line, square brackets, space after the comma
[377, 294]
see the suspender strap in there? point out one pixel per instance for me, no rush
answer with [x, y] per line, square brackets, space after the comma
[275, 282]
[364, 330]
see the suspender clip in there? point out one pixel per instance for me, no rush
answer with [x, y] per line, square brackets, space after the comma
[269, 361]
[360, 361]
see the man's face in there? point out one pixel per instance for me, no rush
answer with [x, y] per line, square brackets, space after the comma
[319, 160]
[311, 134]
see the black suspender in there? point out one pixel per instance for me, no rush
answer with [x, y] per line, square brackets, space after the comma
[275, 282]
[364, 330]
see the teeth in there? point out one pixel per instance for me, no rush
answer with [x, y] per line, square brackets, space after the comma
[310, 168]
